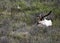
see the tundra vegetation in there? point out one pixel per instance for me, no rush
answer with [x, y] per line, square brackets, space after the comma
[18, 21]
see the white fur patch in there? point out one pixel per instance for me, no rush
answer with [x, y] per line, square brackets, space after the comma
[46, 22]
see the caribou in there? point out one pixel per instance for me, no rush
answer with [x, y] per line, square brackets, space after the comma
[42, 21]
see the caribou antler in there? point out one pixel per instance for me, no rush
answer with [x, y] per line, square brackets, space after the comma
[48, 14]
[45, 15]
